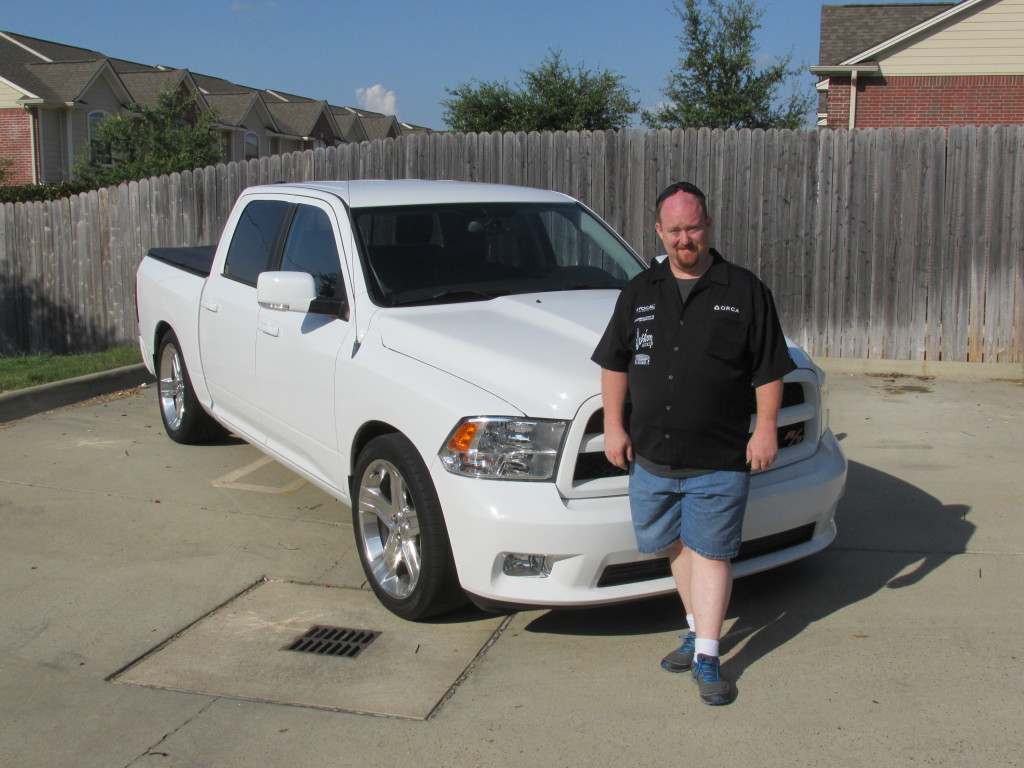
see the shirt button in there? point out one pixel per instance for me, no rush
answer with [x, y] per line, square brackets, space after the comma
[667, 436]
[675, 349]
[670, 377]
[668, 407]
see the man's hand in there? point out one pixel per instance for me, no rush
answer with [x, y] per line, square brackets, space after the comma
[618, 448]
[763, 447]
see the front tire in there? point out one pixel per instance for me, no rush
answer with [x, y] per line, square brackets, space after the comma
[184, 419]
[400, 531]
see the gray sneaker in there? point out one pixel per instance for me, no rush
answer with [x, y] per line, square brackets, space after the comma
[681, 659]
[714, 689]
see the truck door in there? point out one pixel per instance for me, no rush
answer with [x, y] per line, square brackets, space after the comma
[297, 353]
[228, 315]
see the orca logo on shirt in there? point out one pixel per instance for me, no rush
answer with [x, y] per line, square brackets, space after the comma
[726, 308]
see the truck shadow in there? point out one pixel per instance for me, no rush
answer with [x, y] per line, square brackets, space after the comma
[891, 536]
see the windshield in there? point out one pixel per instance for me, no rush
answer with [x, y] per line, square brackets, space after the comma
[476, 251]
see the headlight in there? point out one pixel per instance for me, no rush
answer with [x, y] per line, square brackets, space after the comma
[823, 407]
[504, 448]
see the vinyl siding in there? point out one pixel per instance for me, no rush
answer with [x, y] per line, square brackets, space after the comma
[988, 41]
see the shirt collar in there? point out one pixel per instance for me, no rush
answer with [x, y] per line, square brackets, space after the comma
[718, 272]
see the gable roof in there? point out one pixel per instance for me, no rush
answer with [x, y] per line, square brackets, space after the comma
[45, 71]
[847, 30]
[233, 107]
[68, 81]
[146, 86]
[300, 118]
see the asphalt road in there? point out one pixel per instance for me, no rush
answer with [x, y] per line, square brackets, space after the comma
[147, 589]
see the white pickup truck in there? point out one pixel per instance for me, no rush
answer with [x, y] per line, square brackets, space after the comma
[421, 351]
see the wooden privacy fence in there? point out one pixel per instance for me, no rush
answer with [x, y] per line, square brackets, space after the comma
[903, 244]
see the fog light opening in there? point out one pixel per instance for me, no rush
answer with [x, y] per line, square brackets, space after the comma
[537, 566]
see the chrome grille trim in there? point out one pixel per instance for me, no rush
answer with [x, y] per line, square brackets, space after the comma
[600, 479]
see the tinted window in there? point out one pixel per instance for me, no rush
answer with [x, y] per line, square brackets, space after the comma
[253, 239]
[311, 248]
[459, 252]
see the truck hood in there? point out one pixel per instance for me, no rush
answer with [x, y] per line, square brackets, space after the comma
[532, 351]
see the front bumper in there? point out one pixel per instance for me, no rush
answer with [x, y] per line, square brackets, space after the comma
[590, 544]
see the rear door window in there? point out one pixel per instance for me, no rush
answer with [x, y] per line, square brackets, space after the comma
[253, 240]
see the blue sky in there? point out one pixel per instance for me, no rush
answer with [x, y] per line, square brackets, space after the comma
[395, 56]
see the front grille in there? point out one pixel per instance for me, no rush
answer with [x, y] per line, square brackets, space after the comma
[648, 570]
[594, 466]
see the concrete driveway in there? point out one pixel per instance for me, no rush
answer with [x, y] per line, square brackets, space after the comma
[147, 590]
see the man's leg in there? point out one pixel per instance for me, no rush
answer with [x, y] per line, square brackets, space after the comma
[710, 587]
[679, 561]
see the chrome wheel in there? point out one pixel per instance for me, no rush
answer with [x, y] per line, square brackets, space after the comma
[389, 529]
[171, 387]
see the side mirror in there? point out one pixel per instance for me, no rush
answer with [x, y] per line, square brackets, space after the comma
[285, 291]
[296, 292]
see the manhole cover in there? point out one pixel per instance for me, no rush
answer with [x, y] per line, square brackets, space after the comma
[334, 641]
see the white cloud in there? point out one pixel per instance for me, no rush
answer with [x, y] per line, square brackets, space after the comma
[377, 99]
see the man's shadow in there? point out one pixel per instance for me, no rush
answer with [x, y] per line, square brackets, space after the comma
[891, 536]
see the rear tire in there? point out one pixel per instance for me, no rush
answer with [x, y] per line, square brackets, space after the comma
[184, 419]
[400, 531]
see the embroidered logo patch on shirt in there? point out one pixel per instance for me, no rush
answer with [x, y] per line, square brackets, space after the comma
[642, 360]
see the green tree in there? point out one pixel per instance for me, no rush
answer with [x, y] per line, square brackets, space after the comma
[4, 165]
[174, 135]
[552, 97]
[716, 83]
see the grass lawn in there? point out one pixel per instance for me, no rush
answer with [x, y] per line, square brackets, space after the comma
[30, 370]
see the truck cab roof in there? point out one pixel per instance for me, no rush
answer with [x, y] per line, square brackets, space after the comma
[378, 192]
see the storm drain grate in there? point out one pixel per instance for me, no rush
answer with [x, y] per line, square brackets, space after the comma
[334, 641]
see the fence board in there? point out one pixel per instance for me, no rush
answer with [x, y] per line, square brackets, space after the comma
[888, 243]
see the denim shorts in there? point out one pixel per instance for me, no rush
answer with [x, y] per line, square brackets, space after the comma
[705, 513]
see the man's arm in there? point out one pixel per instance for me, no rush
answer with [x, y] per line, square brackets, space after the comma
[617, 446]
[763, 448]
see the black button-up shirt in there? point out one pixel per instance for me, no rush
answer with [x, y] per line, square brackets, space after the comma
[692, 367]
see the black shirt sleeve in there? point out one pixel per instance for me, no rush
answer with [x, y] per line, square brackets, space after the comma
[771, 360]
[613, 351]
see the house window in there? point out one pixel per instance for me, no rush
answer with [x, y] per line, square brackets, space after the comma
[99, 150]
[252, 145]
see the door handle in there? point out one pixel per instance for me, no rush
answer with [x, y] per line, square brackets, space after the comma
[212, 306]
[270, 330]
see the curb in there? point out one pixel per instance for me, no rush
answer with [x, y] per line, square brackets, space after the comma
[32, 400]
[28, 402]
[950, 371]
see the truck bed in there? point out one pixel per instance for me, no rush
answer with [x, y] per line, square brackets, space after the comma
[197, 259]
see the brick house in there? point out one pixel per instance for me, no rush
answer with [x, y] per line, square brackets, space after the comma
[921, 64]
[52, 96]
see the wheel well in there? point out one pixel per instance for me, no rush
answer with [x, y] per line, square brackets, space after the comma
[158, 335]
[366, 433]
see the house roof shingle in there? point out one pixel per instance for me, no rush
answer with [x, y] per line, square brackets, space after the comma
[847, 30]
[297, 118]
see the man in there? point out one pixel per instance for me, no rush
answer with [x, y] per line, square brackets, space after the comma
[691, 340]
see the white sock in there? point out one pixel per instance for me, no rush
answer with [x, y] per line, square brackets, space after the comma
[705, 647]
[691, 623]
